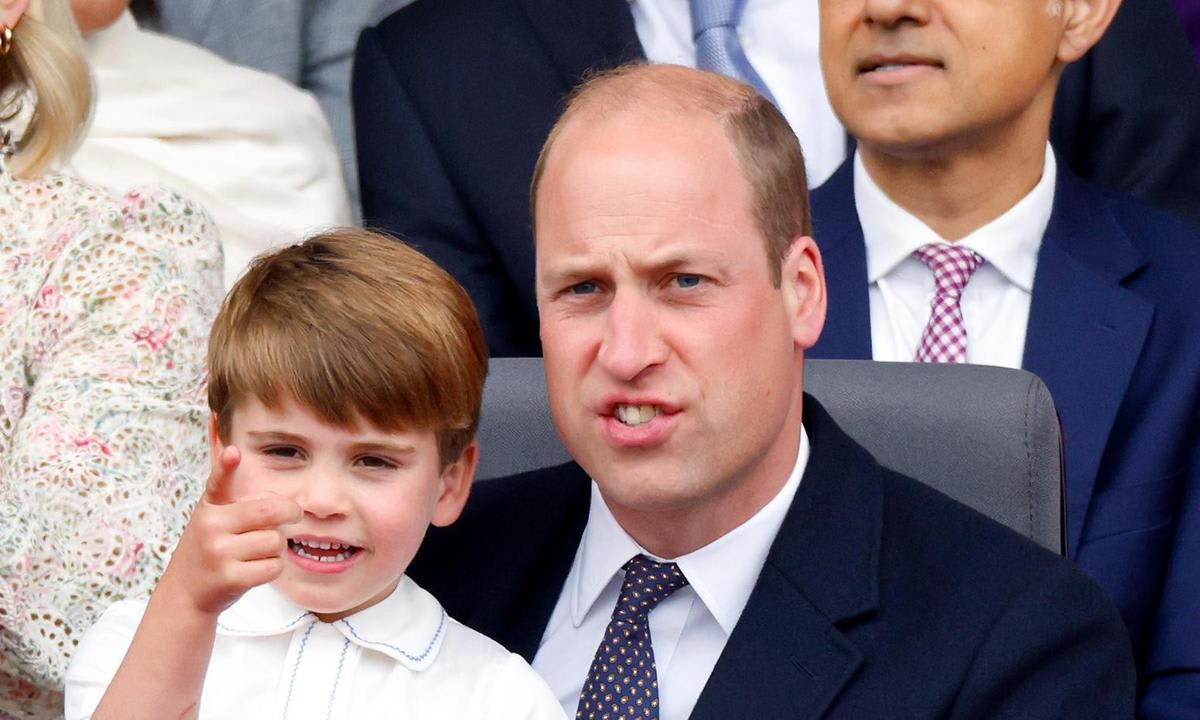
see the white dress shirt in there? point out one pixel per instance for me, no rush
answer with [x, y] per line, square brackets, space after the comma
[780, 39]
[688, 629]
[252, 149]
[402, 658]
[995, 301]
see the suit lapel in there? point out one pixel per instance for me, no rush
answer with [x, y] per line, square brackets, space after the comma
[847, 333]
[579, 35]
[787, 657]
[1085, 331]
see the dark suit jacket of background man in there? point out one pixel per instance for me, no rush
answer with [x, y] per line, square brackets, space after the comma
[879, 598]
[1114, 331]
[453, 99]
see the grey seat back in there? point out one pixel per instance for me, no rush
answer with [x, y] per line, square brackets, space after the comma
[987, 437]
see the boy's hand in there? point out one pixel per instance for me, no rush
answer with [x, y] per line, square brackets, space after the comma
[230, 545]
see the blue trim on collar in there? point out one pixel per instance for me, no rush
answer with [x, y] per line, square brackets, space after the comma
[414, 658]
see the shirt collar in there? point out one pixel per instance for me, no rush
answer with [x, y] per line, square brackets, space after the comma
[1010, 243]
[722, 573]
[408, 625]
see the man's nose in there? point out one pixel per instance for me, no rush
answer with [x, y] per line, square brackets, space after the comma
[895, 13]
[633, 339]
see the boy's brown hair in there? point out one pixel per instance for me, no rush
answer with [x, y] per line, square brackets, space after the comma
[352, 324]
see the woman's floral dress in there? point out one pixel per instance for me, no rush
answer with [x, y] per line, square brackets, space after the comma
[105, 306]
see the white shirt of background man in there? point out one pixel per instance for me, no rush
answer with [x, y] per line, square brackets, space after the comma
[995, 301]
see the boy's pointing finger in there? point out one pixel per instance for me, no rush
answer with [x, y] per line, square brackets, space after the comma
[220, 480]
[267, 510]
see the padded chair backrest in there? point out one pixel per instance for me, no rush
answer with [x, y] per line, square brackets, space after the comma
[987, 437]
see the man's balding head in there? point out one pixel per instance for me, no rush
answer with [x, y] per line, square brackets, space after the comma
[767, 150]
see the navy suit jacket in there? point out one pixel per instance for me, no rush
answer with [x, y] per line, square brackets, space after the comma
[879, 598]
[453, 99]
[1114, 331]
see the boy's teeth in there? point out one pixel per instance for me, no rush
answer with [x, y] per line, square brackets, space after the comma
[322, 545]
[303, 549]
[636, 414]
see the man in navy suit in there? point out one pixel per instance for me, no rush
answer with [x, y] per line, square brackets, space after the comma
[678, 289]
[453, 98]
[950, 101]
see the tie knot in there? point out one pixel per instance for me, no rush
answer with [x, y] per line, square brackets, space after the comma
[952, 266]
[708, 14]
[647, 583]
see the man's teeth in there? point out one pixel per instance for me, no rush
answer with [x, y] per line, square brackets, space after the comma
[637, 414]
[896, 66]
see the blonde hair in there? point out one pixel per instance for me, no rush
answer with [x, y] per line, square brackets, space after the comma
[765, 145]
[352, 324]
[46, 67]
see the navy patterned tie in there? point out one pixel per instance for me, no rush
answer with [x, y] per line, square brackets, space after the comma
[622, 683]
[714, 28]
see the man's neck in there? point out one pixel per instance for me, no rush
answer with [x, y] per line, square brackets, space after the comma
[958, 191]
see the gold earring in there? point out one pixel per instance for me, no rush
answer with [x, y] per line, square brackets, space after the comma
[5, 39]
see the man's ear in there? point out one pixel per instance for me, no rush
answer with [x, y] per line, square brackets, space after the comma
[803, 286]
[11, 12]
[1084, 23]
[456, 486]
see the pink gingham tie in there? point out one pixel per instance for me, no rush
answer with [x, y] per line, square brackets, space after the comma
[945, 336]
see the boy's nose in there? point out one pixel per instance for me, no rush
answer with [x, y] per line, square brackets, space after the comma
[322, 495]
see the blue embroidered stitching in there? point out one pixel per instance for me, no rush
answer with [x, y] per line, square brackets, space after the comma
[226, 628]
[414, 658]
[296, 667]
[337, 678]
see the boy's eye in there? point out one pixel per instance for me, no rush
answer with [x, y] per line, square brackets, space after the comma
[376, 462]
[284, 451]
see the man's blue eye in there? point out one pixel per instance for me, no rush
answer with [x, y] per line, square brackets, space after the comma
[687, 281]
[583, 288]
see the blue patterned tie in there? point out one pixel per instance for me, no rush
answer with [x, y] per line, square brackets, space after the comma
[623, 680]
[714, 28]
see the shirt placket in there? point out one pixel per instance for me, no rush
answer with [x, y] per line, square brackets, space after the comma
[317, 678]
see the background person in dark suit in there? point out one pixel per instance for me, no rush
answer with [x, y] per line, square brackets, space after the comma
[453, 99]
[678, 288]
[1095, 293]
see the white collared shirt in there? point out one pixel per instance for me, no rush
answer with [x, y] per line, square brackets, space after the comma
[995, 301]
[780, 39]
[688, 629]
[401, 658]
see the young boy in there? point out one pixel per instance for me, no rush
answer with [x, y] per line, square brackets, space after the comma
[345, 377]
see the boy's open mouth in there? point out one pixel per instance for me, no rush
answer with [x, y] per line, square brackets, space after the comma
[322, 551]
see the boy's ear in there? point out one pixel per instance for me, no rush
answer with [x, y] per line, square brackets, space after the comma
[215, 445]
[456, 486]
[1085, 23]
